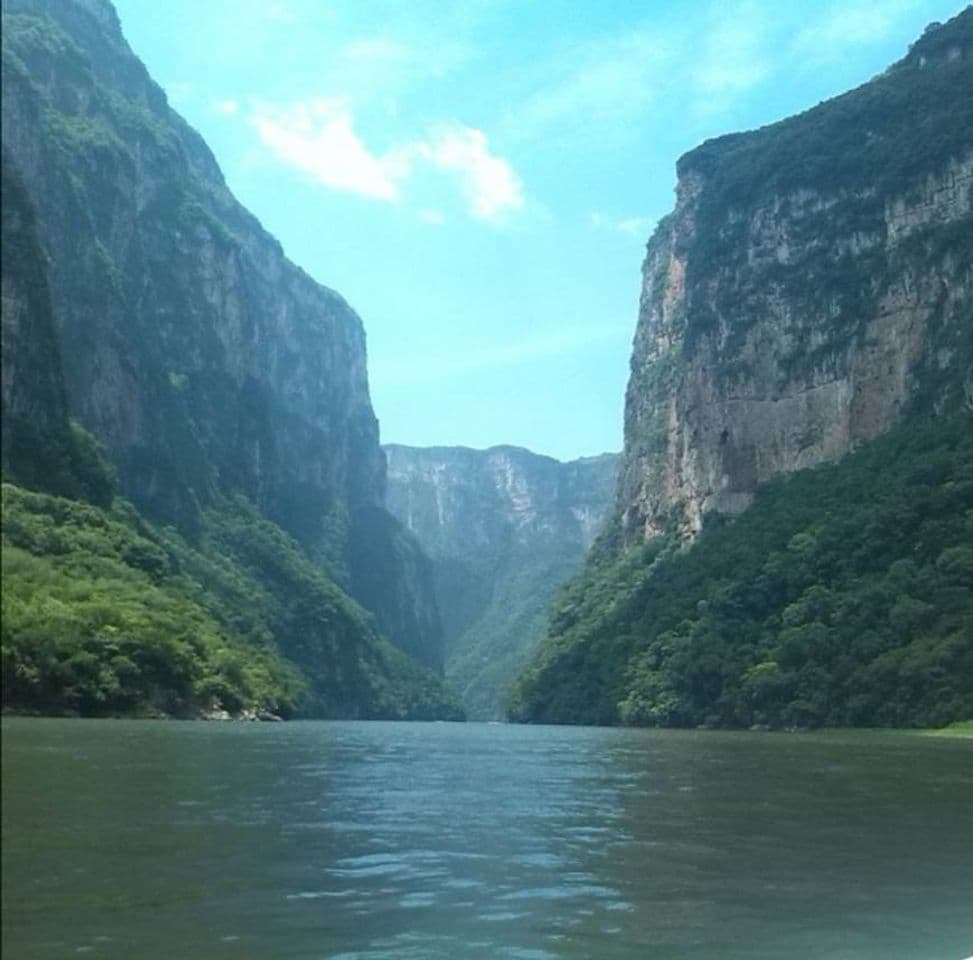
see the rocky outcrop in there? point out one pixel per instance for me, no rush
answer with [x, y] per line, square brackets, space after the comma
[206, 363]
[504, 528]
[813, 285]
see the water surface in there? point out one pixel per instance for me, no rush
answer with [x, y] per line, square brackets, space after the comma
[334, 841]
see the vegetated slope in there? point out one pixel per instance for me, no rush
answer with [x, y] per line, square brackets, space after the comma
[205, 363]
[809, 302]
[97, 621]
[504, 528]
[842, 596]
[104, 612]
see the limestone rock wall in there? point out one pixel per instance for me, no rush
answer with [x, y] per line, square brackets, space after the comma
[787, 317]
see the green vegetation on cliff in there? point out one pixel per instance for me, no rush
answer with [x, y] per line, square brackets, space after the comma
[832, 172]
[890, 131]
[98, 618]
[105, 614]
[843, 597]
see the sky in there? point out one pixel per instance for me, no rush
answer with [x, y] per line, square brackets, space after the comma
[478, 178]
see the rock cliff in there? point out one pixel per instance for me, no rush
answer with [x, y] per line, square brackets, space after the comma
[32, 384]
[504, 528]
[39, 446]
[790, 545]
[812, 285]
[205, 362]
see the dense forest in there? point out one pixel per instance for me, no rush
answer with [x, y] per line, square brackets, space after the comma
[104, 613]
[843, 596]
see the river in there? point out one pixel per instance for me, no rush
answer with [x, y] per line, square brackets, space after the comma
[332, 841]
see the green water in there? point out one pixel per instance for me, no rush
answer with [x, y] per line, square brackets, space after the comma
[129, 839]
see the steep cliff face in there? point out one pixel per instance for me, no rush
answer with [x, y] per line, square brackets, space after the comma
[39, 446]
[205, 362]
[812, 285]
[504, 528]
[32, 385]
[790, 545]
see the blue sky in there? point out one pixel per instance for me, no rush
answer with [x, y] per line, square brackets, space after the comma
[478, 178]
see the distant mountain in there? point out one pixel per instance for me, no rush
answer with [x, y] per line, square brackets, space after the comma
[808, 304]
[504, 528]
[227, 389]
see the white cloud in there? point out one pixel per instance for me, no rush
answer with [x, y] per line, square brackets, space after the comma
[489, 183]
[372, 68]
[608, 82]
[279, 12]
[227, 107]
[638, 227]
[849, 24]
[318, 137]
[433, 217]
[606, 87]
[376, 50]
[732, 59]
[404, 371]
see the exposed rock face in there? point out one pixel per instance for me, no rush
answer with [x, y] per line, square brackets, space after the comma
[504, 528]
[32, 384]
[813, 284]
[812, 293]
[204, 361]
[39, 446]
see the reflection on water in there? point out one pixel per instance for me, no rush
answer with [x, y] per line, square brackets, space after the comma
[369, 840]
